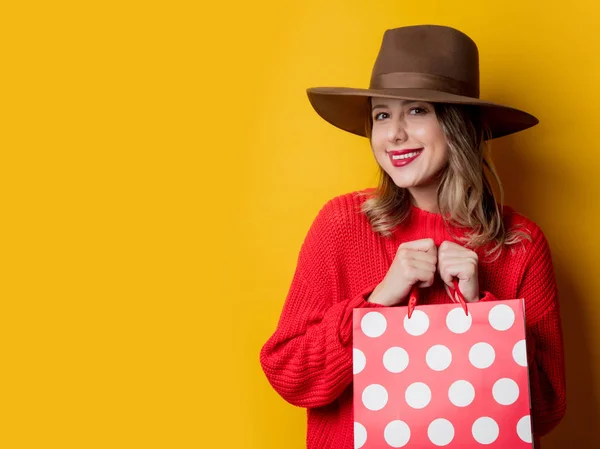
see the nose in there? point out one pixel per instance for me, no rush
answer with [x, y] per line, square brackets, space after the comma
[397, 130]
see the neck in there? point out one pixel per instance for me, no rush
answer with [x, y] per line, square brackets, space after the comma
[425, 198]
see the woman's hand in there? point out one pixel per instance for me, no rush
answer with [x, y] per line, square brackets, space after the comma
[415, 262]
[457, 261]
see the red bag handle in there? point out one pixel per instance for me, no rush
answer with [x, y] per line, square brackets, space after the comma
[413, 298]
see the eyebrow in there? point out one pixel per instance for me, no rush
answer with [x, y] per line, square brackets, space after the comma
[405, 102]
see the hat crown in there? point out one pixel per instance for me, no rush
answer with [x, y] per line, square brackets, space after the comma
[427, 50]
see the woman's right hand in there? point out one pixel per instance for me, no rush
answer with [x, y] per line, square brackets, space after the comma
[415, 262]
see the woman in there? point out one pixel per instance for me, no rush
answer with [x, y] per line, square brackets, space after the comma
[433, 218]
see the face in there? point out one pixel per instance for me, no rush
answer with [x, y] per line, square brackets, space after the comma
[408, 142]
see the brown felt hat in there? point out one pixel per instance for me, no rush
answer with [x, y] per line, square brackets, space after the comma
[432, 63]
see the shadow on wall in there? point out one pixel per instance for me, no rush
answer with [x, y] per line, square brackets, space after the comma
[533, 187]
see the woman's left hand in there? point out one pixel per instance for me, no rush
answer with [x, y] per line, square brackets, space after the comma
[460, 262]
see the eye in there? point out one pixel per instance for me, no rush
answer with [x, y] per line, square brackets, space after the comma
[417, 110]
[380, 116]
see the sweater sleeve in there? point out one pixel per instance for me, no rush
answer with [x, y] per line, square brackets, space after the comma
[545, 339]
[308, 359]
[544, 336]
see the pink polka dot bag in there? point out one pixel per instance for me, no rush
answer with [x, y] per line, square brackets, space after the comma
[443, 375]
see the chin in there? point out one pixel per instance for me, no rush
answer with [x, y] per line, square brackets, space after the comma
[405, 185]
[404, 182]
[408, 180]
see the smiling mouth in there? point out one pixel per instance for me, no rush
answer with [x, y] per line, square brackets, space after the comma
[402, 158]
[396, 157]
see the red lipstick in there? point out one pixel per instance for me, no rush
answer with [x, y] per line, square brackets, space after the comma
[404, 157]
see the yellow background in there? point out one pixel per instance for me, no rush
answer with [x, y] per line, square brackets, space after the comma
[161, 165]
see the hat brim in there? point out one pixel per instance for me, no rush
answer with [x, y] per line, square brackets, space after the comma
[347, 108]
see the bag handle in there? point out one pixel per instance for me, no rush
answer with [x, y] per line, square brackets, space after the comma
[415, 293]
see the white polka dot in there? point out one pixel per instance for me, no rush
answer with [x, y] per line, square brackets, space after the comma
[519, 353]
[458, 322]
[375, 397]
[360, 435]
[482, 355]
[505, 391]
[524, 429]
[418, 395]
[501, 317]
[440, 432]
[397, 434]
[395, 360]
[461, 393]
[485, 430]
[417, 324]
[438, 357]
[359, 361]
[373, 324]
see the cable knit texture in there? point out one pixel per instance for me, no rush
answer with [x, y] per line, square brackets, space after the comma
[308, 360]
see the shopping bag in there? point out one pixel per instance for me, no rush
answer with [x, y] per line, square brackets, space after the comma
[442, 378]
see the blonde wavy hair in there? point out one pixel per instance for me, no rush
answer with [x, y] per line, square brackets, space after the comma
[465, 196]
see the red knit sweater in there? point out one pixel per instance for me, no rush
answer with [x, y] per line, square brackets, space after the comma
[308, 360]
